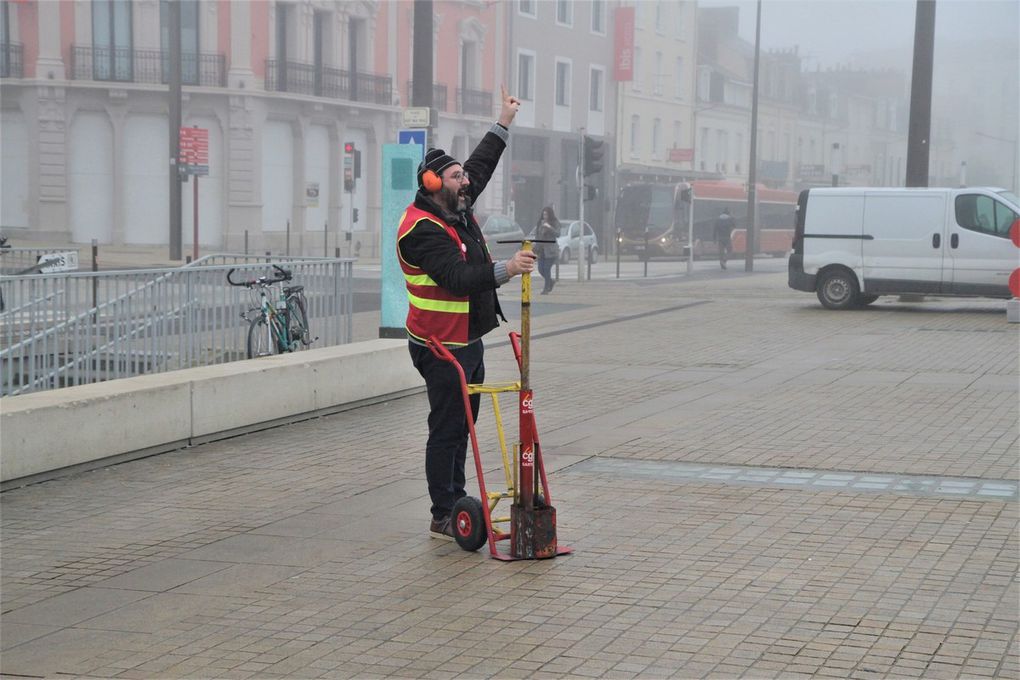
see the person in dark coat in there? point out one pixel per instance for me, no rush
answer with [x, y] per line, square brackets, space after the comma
[451, 281]
[548, 229]
[723, 229]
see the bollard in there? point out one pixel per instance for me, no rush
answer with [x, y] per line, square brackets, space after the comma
[644, 255]
[287, 248]
[245, 241]
[619, 245]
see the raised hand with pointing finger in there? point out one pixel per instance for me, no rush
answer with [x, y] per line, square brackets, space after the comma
[510, 106]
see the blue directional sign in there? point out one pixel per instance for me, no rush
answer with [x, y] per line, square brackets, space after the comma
[418, 137]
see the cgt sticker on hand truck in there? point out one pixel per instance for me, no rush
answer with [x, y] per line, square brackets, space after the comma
[527, 405]
[528, 458]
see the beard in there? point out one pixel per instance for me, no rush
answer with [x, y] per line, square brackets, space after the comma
[454, 201]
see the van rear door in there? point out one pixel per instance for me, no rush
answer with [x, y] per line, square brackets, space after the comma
[980, 256]
[904, 242]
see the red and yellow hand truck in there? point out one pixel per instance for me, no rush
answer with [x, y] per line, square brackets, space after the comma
[532, 518]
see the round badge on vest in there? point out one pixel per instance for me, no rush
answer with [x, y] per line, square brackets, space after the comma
[463, 247]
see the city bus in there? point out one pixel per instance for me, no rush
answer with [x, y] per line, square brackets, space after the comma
[661, 210]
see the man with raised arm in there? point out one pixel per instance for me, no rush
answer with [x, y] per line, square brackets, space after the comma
[451, 290]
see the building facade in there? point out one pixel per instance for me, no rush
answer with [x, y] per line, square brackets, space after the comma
[281, 86]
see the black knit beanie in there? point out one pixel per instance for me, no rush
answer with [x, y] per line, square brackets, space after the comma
[436, 160]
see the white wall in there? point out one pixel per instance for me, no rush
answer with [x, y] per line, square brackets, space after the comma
[90, 177]
[146, 197]
[317, 154]
[210, 190]
[277, 175]
[14, 170]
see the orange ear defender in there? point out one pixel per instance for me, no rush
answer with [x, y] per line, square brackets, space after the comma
[431, 182]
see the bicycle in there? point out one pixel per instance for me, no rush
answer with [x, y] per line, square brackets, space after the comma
[280, 327]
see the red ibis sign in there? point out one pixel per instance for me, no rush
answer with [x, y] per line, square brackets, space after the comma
[624, 44]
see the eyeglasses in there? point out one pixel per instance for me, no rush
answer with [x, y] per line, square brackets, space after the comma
[459, 176]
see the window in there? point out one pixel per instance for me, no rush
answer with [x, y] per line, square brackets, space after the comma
[659, 75]
[527, 8]
[656, 138]
[111, 40]
[677, 135]
[635, 135]
[660, 17]
[595, 95]
[5, 39]
[468, 65]
[564, 12]
[526, 76]
[984, 214]
[598, 16]
[678, 78]
[562, 83]
[635, 84]
[678, 19]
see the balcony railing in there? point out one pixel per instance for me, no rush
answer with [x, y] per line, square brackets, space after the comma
[10, 61]
[125, 65]
[474, 102]
[438, 95]
[309, 79]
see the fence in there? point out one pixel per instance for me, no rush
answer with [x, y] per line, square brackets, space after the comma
[82, 327]
[18, 260]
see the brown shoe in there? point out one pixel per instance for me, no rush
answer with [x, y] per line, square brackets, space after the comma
[441, 529]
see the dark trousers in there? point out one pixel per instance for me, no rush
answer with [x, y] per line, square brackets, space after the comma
[545, 265]
[725, 248]
[446, 449]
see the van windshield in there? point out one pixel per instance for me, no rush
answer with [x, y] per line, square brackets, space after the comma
[1009, 196]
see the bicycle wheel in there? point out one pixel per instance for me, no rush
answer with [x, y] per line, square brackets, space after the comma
[297, 319]
[260, 339]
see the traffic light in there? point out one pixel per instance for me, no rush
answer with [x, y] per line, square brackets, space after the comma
[351, 156]
[354, 215]
[590, 192]
[594, 150]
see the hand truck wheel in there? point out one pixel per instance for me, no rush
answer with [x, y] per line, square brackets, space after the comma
[468, 521]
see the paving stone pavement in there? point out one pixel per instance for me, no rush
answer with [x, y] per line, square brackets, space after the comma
[302, 551]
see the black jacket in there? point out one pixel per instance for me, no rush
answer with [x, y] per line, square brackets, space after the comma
[429, 247]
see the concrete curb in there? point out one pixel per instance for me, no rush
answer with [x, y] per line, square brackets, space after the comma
[76, 427]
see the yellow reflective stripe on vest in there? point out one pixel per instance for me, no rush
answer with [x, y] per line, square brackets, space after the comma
[437, 305]
[419, 280]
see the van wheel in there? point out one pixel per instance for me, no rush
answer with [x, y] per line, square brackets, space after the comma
[837, 289]
[863, 300]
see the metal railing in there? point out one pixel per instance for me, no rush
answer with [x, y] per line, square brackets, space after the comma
[474, 102]
[20, 260]
[11, 61]
[438, 95]
[323, 81]
[123, 64]
[150, 320]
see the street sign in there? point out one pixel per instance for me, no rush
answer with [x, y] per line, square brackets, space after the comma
[419, 137]
[58, 262]
[194, 151]
[416, 118]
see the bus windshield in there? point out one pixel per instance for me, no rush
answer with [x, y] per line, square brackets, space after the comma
[645, 205]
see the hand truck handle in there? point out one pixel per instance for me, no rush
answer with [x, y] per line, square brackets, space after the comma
[439, 349]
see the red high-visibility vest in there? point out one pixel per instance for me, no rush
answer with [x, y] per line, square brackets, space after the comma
[432, 311]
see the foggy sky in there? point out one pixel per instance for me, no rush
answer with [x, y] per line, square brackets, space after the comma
[833, 32]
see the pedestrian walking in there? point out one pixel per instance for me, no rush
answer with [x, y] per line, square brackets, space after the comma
[548, 229]
[723, 231]
[451, 289]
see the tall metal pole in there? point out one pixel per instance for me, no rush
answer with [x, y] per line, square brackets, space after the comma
[919, 129]
[421, 74]
[176, 228]
[580, 213]
[749, 241]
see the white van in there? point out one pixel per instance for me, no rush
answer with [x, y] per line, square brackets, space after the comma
[853, 244]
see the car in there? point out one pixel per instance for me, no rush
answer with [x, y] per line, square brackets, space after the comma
[497, 228]
[568, 244]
